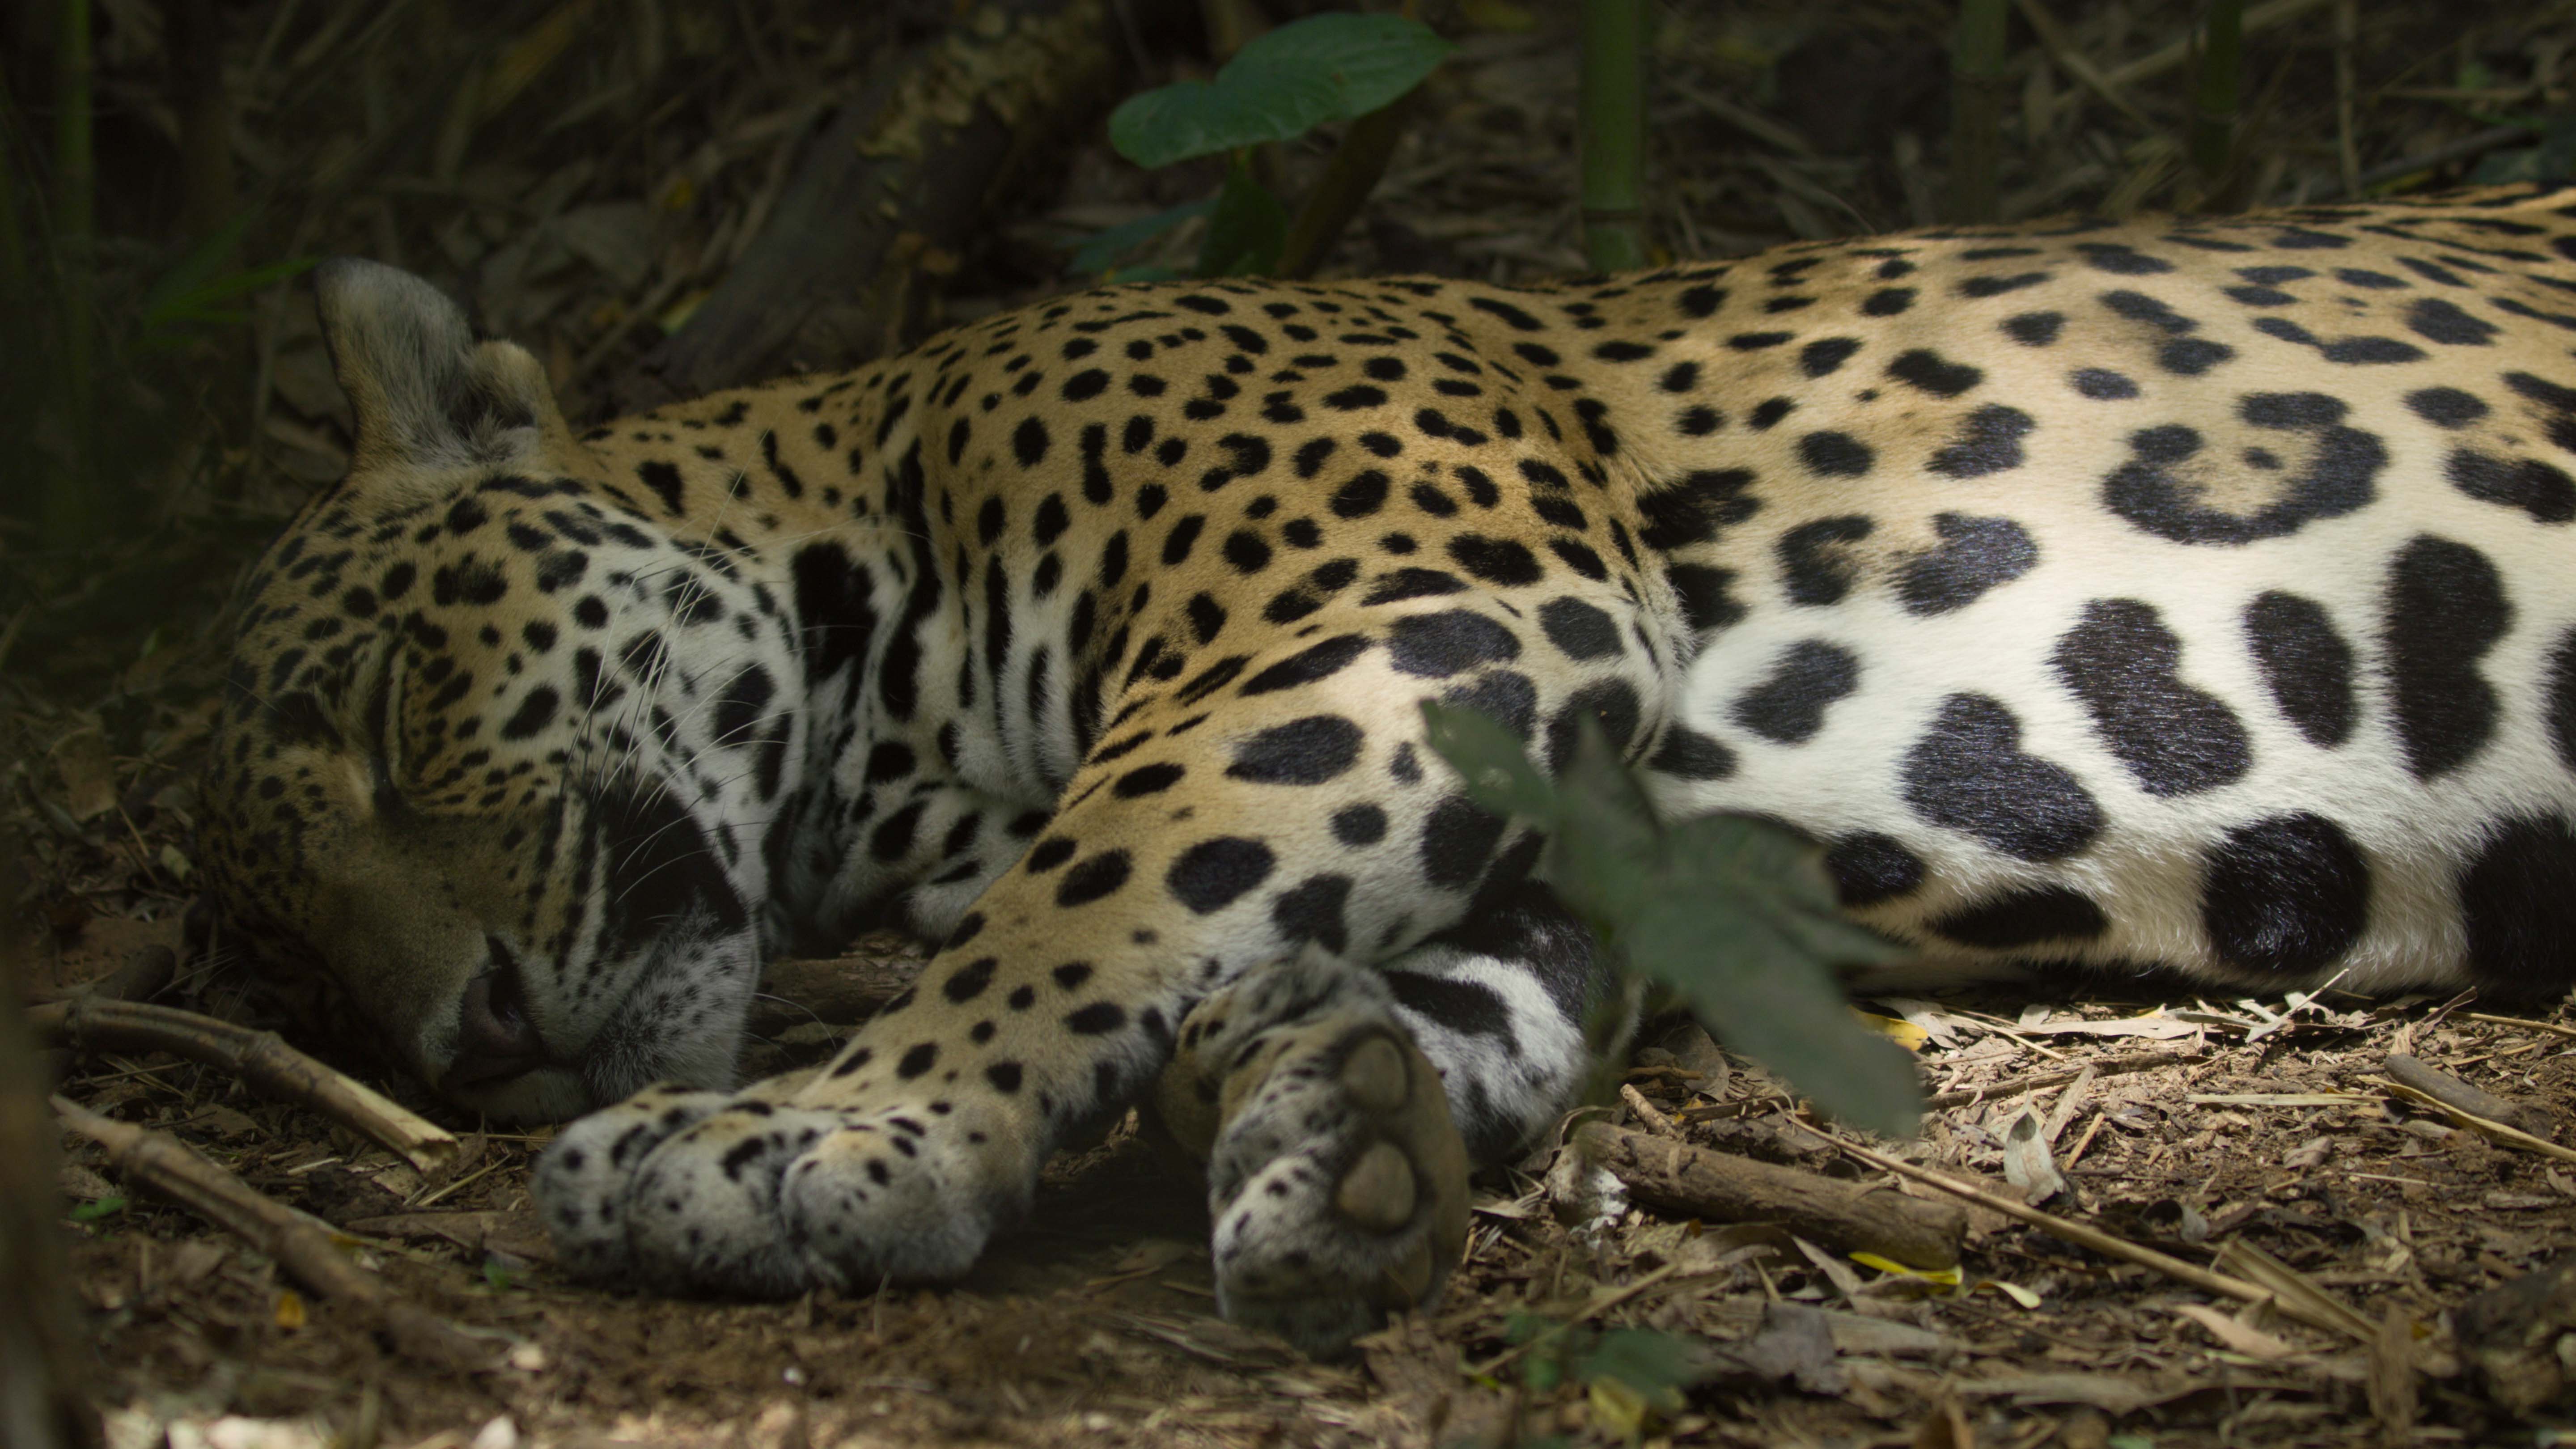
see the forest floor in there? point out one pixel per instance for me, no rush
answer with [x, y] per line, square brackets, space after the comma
[586, 173]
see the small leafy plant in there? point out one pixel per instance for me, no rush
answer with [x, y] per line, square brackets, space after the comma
[1730, 913]
[1309, 73]
[1627, 1374]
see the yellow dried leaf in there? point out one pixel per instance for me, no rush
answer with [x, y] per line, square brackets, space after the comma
[1942, 1278]
[2013, 1291]
[290, 1310]
[1904, 1033]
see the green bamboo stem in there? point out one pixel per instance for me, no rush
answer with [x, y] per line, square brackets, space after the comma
[72, 513]
[1977, 85]
[1348, 179]
[1611, 131]
[2213, 108]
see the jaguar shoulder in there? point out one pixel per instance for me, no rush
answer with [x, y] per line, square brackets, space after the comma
[2193, 594]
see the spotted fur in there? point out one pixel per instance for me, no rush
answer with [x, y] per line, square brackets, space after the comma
[2188, 595]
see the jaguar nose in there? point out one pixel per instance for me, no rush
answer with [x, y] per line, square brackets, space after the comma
[494, 1041]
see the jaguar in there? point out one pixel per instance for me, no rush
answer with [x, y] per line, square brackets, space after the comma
[2182, 595]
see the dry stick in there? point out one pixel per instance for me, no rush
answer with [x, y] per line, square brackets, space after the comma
[2509, 1135]
[2451, 1091]
[2081, 1235]
[2115, 1067]
[1843, 1216]
[2548, 1026]
[1647, 1112]
[165, 1165]
[258, 1057]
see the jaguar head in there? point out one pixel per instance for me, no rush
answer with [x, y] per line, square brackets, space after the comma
[467, 797]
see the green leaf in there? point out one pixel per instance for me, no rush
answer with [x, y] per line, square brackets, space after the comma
[90, 1212]
[1733, 914]
[496, 1277]
[1609, 846]
[1334, 67]
[1246, 231]
[1657, 1365]
[1489, 762]
[1103, 248]
[1762, 991]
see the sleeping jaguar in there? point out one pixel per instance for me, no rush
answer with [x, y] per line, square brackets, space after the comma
[2191, 595]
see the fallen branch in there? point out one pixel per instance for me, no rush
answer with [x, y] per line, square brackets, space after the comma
[260, 1058]
[2450, 1091]
[1844, 1216]
[163, 1164]
[2082, 1236]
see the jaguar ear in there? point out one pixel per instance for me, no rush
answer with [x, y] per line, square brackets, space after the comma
[424, 392]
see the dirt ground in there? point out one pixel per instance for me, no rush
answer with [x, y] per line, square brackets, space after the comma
[586, 171]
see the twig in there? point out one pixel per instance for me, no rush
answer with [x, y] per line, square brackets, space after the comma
[164, 1164]
[2091, 1129]
[2509, 1136]
[2044, 1080]
[1647, 1112]
[2548, 1026]
[258, 1057]
[2079, 1234]
[2070, 1102]
[2452, 1092]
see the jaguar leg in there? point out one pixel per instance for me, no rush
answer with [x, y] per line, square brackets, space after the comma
[1339, 1110]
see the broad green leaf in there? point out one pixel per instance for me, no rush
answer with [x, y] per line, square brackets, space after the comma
[92, 1211]
[1763, 993]
[1489, 761]
[1657, 1365]
[1608, 845]
[1333, 67]
[1246, 230]
[1103, 248]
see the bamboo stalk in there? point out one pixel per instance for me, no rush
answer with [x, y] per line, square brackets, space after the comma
[1348, 179]
[1611, 130]
[71, 508]
[1977, 113]
[2214, 100]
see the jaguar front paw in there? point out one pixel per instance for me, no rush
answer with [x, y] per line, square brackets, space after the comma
[752, 1195]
